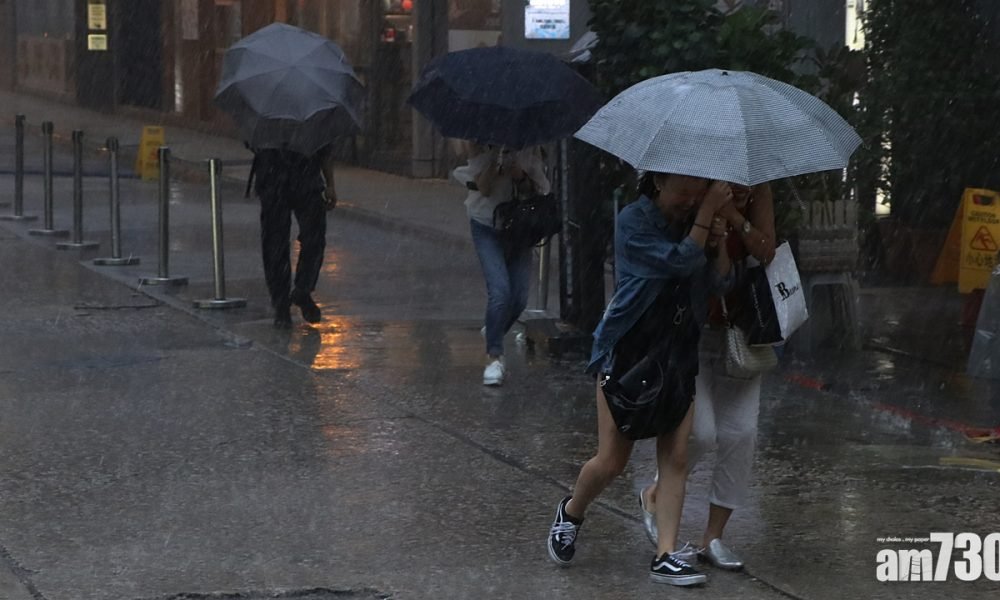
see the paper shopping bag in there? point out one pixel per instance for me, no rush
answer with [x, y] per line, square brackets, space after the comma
[777, 300]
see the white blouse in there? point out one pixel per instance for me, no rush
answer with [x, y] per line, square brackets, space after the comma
[479, 206]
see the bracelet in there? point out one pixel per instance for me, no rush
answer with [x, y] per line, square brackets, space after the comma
[706, 227]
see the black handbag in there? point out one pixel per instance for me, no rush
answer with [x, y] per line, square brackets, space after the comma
[651, 383]
[528, 221]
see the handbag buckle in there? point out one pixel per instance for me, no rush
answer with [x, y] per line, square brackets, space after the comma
[679, 315]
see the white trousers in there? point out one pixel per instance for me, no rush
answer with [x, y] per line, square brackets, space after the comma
[725, 418]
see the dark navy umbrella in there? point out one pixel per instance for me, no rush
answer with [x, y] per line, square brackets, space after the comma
[504, 96]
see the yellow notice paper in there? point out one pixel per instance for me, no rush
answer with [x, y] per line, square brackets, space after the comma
[98, 42]
[97, 16]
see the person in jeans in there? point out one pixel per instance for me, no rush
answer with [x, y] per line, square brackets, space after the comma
[725, 408]
[659, 239]
[288, 182]
[491, 176]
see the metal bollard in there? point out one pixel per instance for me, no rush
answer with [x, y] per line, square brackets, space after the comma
[218, 259]
[47, 223]
[163, 272]
[543, 276]
[116, 259]
[18, 174]
[77, 242]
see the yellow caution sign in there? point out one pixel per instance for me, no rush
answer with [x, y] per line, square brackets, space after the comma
[147, 159]
[980, 235]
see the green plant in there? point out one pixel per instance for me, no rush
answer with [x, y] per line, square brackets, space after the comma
[752, 39]
[639, 39]
[839, 74]
[929, 105]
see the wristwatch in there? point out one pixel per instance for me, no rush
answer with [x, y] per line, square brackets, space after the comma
[745, 228]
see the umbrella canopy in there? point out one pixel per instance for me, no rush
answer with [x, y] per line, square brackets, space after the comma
[504, 96]
[729, 125]
[289, 88]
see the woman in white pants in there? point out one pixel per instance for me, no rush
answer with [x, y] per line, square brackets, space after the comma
[725, 408]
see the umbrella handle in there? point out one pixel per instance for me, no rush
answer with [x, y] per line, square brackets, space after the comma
[253, 171]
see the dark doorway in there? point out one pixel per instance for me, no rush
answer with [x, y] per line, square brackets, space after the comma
[140, 54]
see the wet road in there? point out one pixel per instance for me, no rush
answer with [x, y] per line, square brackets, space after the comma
[151, 450]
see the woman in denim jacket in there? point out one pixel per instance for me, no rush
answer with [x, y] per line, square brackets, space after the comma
[659, 238]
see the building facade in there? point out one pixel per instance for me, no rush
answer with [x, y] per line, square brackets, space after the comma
[165, 56]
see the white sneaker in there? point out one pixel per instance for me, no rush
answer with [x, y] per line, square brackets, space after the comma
[493, 375]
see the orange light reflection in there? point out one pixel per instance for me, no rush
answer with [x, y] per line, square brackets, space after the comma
[335, 349]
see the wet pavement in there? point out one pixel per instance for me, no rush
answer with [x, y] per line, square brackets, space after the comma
[154, 450]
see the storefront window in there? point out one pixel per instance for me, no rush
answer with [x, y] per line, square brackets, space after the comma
[473, 23]
[45, 45]
[46, 18]
[339, 20]
[229, 16]
[398, 26]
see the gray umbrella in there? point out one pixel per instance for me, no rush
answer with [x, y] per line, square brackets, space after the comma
[734, 126]
[289, 88]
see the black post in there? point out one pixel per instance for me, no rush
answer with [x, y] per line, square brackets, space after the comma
[586, 231]
[114, 193]
[18, 174]
[77, 242]
[163, 270]
[48, 223]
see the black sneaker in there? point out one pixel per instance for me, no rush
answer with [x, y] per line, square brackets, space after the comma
[562, 536]
[674, 571]
[310, 312]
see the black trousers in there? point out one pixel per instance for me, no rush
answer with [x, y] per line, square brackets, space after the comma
[276, 208]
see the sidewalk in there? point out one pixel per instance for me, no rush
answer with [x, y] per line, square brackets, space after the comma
[150, 454]
[430, 207]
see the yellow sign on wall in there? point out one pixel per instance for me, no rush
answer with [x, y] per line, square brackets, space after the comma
[147, 159]
[980, 238]
[98, 42]
[97, 16]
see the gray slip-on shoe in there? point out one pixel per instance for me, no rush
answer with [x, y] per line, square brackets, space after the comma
[720, 556]
[648, 520]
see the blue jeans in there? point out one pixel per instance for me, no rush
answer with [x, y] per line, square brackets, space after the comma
[507, 272]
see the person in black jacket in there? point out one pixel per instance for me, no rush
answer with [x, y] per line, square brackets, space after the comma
[289, 182]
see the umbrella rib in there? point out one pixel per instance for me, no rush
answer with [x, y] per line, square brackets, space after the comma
[653, 137]
[825, 129]
[281, 87]
[746, 138]
[236, 82]
[306, 73]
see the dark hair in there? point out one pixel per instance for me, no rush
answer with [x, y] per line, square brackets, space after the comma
[647, 184]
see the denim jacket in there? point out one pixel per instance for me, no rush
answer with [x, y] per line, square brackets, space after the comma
[647, 256]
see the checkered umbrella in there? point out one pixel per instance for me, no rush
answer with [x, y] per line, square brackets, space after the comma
[733, 126]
